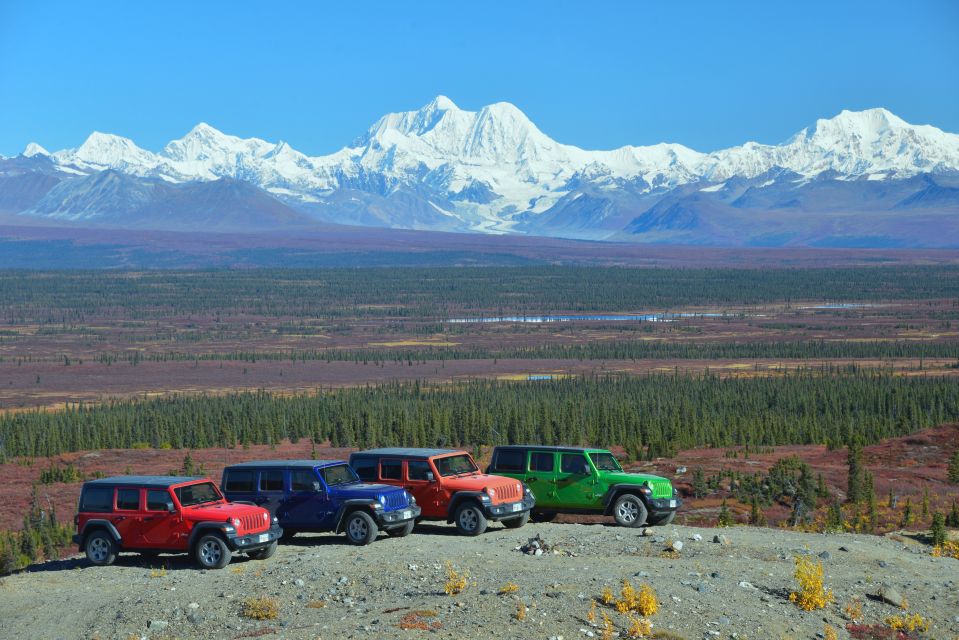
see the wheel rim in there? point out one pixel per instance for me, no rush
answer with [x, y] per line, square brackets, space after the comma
[468, 519]
[99, 549]
[358, 529]
[210, 552]
[628, 511]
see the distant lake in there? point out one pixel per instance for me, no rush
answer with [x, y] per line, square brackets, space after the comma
[839, 305]
[644, 317]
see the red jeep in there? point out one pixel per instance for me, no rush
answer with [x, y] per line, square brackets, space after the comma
[449, 486]
[164, 514]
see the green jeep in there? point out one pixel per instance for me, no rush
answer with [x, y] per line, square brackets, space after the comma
[573, 480]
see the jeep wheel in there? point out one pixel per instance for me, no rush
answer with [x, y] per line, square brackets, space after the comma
[265, 552]
[543, 516]
[401, 531]
[629, 511]
[470, 520]
[662, 521]
[101, 549]
[360, 528]
[517, 522]
[211, 552]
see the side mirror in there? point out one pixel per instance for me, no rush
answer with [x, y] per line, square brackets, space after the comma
[430, 477]
[585, 470]
[317, 487]
[170, 507]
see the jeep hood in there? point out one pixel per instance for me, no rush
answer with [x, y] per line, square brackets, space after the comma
[364, 490]
[221, 512]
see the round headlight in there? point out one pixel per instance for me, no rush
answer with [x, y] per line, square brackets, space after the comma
[491, 492]
[382, 499]
[235, 522]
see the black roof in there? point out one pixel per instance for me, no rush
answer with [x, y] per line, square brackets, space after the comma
[542, 447]
[408, 452]
[284, 464]
[144, 481]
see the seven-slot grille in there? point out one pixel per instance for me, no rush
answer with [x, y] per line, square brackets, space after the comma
[395, 500]
[254, 522]
[661, 488]
[508, 492]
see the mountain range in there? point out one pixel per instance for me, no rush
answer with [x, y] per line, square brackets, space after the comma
[859, 179]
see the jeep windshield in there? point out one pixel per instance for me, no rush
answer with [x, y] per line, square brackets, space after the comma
[339, 474]
[605, 462]
[455, 465]
[194, 494]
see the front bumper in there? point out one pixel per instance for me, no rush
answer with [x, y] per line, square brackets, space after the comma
[663, 506]
[398, 517]
[509, 509]
[254, 541]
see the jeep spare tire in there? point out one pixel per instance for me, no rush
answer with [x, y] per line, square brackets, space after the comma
[360, 528]
[211, 552]
[101, 548]
[629, 511]
[470, 519]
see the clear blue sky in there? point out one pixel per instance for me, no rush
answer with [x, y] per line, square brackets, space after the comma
[598, 75]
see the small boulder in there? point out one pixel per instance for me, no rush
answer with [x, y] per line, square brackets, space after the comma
[157, 625]
[721, 538]
[696, 537]
[676, 545]
[888, 594]
[648, 532]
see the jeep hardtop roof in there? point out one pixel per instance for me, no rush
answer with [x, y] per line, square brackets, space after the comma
[539, 447]
[409, 452]
[144, 481]
[285, 464]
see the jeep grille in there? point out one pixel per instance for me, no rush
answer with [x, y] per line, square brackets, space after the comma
[254, 523]
[662, 488]
[507, 492]
[395, 500]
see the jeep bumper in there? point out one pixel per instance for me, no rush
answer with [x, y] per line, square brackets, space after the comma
[253, 541]
[663, 506]
[509, 509]
[397, 517]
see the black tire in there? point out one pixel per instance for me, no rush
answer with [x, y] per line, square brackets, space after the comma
[662, 521]
[470, 519]
[517, 522]
[543, 516]
[360, 528]
[288, 535]
[629, 511]
[401, 531]
[265, 552]
[211, 552]
[101, 548]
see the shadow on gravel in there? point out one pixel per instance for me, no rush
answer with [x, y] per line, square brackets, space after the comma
[171, 562]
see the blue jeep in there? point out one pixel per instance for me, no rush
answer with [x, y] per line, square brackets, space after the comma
[322, 495]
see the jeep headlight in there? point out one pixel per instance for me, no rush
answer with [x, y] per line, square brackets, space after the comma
[490, 491]
[234, 521]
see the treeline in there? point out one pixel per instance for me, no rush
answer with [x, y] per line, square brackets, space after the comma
[42, 538]
[651, 415]
[58, 297]
[637, 350]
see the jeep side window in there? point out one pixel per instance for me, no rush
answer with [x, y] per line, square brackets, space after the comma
[574, 463]
[157, 500]
[391, 470]
[304, 480]
[510, 460]
[271, 480]
[128, 499]
[97, 499]
[418, 470]
[237, 480]
[605, 461]
[365, 468]
[540, 461]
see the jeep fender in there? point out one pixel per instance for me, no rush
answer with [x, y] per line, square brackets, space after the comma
[352, 505]
[616, 490]
[459, 498]
[201, 528]
[92, 525]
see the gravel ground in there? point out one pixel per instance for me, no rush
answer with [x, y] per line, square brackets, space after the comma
[328, 589]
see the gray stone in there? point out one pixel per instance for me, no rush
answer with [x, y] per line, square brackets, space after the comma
[722, 539]
[825, 555]
[676, 545]
[888, 594]
[157, 625]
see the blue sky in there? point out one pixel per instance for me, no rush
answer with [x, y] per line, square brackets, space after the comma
[598, 75]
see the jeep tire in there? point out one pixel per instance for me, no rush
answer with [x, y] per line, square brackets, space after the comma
[662, 521]
[470, 519]
[360, 528]
[629, 511]
[401, 531]
[265, 552]
[517, 522]
[211, 552]
[101, 548]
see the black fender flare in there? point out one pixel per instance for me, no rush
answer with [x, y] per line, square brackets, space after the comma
[616, 490]
[349, 506]
[459, 498]
[201, 528]
[92, 525]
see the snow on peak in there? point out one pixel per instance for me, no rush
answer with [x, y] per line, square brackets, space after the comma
[442, 103]
[107, 151]
[33, 149]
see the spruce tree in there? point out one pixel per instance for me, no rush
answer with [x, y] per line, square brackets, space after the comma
[854, 487]
[756, 516]
[953, 473]
[938, 530]
[725, 517]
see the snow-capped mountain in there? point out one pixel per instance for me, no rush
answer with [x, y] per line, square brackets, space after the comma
[492, 170]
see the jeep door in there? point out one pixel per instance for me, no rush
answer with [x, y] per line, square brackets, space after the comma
[161, 524]
[575, 482]
[308, 505]
[239, 485]
[127, 517]
[270, 493]
[541, 477]
[422, 482]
